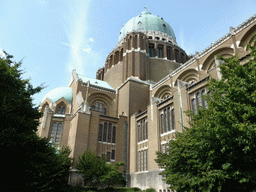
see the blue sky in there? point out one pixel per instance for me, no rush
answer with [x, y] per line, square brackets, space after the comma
[53, 37]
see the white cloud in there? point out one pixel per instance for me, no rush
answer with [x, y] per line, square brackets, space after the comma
[185, 44]
[87, 50]
[76, 20]
[91, 39]
[82, 56]
[41, 1]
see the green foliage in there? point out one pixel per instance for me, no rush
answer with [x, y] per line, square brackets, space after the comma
[112, 177]
[91, 167]
[218, 152]
[150, 190]
[29, 163]
[97, 173]
[135, 189]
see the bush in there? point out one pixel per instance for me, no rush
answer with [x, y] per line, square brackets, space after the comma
[136, 189]
[150, 190]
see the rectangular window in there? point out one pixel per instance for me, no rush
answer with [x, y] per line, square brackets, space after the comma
[100, 133]
[145, 160]
[114, 135]
[108, 156]
[138, 160]
[53, 132]
[141, 161]
[142, 131]
[58, 134]
[204, 101]
[166, 120]
[194, 106]
[109, 132]
[162, 123]
[160, 52]
[151, 50]
[163, 148]
[146, 129]
[173, 120]
[169, 53]
[105, 132]
[176, 55]
[139, 130]
[170, 118]
[198, 98]
[167, 148]
[113, 155]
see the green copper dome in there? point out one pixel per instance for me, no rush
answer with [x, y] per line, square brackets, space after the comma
[56, 94]
[146, 22]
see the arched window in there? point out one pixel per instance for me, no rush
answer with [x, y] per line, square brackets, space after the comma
[101, 108]
[100, 133]
[63, 110]
[59, 110]
[204, 101]
[97, 106]
[58, 134]
[198, 98]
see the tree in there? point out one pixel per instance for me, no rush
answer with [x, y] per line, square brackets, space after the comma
[28, 162]
[112, 177]
[96, 172]
[218, 151]
[91, 167]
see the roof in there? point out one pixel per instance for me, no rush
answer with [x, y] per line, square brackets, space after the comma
[95, 82]
[146, 22]
[56, 94]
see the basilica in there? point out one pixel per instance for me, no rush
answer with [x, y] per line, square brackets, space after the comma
[138, 100]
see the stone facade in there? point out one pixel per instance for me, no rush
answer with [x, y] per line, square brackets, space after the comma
[137, 103]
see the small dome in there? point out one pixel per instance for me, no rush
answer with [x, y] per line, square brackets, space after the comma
[56, 94]
[146, 22]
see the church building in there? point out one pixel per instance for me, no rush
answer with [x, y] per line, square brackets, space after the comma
[138, 100]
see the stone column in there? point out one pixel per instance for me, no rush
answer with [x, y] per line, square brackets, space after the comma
[156, 51]
[165, 51]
